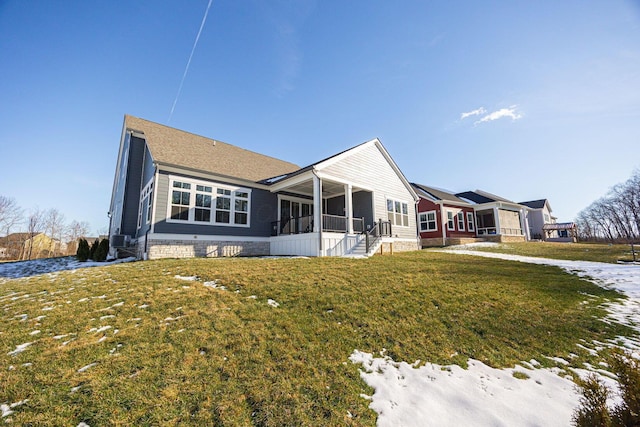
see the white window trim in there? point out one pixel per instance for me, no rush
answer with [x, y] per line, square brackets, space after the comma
[451, 224]
[394, 212]
[146, 192]
[461, 221]
[192, 202]
[471, 226]
[435, 221]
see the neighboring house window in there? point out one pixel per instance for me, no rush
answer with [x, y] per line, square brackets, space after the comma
[470, 224]
[207, 203]
[461, 221]
[398, 212]
[450, 222]
[180, 201]
[546, 218]
[428, 221]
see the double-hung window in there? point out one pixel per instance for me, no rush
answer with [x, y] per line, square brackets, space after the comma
[398, 212]
[202, 202]
[428, 221]
[470, 224]
[450, 222]
[241, 208]
[180, 199]
[223, 206]
[461, 221]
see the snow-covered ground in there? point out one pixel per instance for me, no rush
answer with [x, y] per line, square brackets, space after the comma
[434, 395]
[14, 270]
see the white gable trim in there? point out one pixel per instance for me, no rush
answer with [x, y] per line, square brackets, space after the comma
[374, 142]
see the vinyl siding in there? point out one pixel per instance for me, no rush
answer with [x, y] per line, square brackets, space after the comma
[367, 167]
[132, 186]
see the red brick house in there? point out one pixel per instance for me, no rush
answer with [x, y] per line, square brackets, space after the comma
[443, 218]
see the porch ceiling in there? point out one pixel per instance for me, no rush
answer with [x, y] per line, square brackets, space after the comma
[329, 188]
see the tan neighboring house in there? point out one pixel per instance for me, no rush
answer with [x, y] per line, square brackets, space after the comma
[24, 246]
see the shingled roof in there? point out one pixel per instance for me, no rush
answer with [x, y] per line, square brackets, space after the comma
[535, 204]
[437, 193]
[175, 147]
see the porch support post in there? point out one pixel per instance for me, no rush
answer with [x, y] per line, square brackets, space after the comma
[348, 206]
[317, 204]
[496, 220]
[524, 224]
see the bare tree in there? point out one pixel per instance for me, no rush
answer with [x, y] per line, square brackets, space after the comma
[614, 217]
[75, 230]
[10, 214]
[54, 223]
[35, 224]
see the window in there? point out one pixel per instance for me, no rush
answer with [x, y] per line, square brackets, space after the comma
[547, 219]
[223, 206]
[241, 210]
[428, 221]
[398, 212]
[201, 202]
[461, 221]
[180, 201]
[450, 222]
[470, 224]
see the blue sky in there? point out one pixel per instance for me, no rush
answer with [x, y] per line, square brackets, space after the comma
[526, 100]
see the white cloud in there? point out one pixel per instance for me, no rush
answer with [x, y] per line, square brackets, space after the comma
[504, 112]
[476, 112]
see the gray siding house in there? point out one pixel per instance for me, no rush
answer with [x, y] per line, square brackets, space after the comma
[176, 194]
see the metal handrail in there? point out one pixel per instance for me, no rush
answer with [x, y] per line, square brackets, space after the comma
[380, 229]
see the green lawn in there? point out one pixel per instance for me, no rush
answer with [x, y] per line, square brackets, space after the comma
[179, 352]
[599, 252]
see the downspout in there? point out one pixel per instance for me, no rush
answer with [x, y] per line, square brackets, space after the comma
[313, 171]
[442, 225]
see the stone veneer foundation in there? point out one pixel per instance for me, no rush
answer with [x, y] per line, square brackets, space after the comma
[202, 248]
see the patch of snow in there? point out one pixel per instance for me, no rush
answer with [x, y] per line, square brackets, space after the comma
[187, 278]
[18, 269]
[36, 332]
[435, 395]
[89, 366]
[273, 303]
[19, 349]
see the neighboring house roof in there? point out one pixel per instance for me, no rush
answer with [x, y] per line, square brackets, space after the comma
[535, 204]
[479, 197]
[175, 147]
[437, 194]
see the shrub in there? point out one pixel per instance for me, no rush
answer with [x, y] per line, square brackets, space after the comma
[101, 251]
[593, 410]
[94, 248]
[83, 251]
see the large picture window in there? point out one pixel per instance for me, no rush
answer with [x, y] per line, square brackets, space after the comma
[201, 202]
[398, 212]
[428, 221]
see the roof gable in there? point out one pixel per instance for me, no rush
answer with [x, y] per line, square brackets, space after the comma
[175, 147]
